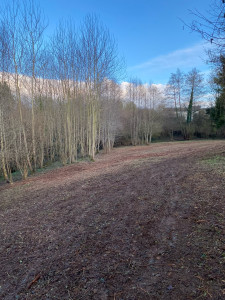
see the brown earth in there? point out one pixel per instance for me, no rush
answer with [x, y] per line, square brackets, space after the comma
[142, 222]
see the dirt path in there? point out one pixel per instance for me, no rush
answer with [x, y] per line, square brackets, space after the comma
[139, 223]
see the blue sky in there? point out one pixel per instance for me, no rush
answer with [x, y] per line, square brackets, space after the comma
[149, 33]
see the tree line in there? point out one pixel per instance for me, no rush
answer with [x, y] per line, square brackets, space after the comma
[60, 97]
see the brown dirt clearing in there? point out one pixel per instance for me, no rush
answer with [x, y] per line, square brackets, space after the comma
[143, 222]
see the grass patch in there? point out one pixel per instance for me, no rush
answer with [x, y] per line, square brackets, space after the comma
[217, 160]
[49, 166]
[216, 163]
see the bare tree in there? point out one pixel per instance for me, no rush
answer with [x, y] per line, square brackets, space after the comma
[5, 61]
[174, 91]
[99, 60]
[12, 20]
[110, 124]
[33, 26]
[155, 101]
[211, 25]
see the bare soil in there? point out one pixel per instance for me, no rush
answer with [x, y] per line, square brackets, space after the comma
[143, 222]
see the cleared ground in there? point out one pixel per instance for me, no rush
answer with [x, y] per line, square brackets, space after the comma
[142, 222]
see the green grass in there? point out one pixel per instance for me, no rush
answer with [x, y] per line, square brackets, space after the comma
[217, 160]
[216, 163]
[49, 166]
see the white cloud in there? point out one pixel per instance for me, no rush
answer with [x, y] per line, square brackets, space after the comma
[190, 57]
[124, 85]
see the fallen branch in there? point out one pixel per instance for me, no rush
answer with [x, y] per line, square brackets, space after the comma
[34, 280]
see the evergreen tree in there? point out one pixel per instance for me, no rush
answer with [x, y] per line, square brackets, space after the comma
[218, 113]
